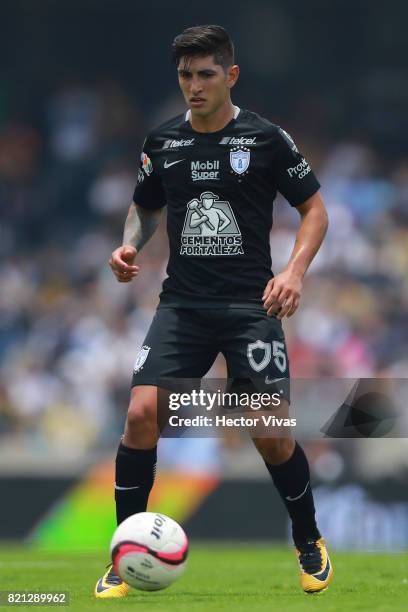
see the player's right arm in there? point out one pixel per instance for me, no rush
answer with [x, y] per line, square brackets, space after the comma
[142, 219]
[140, 226]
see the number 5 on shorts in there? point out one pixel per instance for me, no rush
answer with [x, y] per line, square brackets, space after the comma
[279, 355]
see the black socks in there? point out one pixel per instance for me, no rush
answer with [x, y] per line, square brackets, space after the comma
[135, 472]
[292, 480]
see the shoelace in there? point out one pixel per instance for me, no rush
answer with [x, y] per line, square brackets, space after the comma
[310, 557]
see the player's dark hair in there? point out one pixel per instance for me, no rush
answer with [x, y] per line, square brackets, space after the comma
[200, 41]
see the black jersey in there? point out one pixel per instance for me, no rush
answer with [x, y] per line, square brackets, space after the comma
[219, 189]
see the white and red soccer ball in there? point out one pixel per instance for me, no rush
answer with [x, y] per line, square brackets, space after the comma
[149, 551]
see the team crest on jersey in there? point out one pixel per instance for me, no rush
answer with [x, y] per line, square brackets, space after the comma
[210, 227]
[141, 358]
[265, 353]
[146, 164]
[239, 160]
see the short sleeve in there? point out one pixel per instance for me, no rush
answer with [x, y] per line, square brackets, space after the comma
[294, 177]
[149, 192]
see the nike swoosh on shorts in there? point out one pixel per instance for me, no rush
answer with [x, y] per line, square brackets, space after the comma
[270, 381]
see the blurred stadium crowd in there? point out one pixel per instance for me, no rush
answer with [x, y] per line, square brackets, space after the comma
[69, 332]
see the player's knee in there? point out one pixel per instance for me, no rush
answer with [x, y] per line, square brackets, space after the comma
[141, 416]
[275, 450]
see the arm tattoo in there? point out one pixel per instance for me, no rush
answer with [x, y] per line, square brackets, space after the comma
[140, 225]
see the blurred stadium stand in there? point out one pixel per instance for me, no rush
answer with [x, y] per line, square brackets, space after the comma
[80, 85]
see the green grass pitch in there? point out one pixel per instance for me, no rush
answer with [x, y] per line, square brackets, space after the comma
[237, 578]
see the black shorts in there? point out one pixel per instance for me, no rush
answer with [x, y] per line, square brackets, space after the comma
[182, 343]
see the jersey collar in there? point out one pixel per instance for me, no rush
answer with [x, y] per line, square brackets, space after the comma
[237, 110]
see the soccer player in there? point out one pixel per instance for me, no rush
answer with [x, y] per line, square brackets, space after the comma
[218, 168]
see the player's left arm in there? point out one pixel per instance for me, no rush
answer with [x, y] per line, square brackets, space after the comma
[293, 177]
[282, 293]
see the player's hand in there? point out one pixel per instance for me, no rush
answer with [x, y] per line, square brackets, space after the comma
[122, 263]
[282, 294]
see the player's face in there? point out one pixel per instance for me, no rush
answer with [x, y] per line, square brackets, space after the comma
[205, 85]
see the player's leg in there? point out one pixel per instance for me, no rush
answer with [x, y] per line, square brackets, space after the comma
[177, 346]
[137, 453]
[255, 349]
[288, 466]
[135, 468]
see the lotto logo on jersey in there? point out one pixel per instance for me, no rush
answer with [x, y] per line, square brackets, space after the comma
[175, 144]
[232, 141]
[300, 170]
[205, 170]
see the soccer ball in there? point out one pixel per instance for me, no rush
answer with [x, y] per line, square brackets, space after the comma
[149, 551]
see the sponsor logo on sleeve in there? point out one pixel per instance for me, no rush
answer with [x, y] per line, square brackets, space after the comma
[146, 164]
[290, 140]
[300, 170]
[140, 176]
